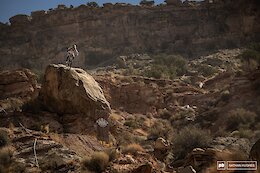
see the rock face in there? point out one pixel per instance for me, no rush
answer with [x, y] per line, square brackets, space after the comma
[101, 33]
[73, 91]
[18, 83]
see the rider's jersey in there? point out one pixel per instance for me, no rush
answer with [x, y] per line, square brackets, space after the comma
[72, 51]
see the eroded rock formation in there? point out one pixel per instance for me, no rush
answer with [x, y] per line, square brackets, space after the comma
[73, 91]
[18, 83]
[101, 33]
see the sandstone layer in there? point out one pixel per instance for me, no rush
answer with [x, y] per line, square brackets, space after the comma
[73, 91]
[105, 32]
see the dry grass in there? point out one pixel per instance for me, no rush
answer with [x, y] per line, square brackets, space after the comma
[113, 153]
[240, 117]
[6, 154]
[132, 149]
[97, 162]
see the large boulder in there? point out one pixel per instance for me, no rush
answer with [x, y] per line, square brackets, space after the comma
[73, 91]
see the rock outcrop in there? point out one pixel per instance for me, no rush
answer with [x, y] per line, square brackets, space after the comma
[73, 91]
[16, 88]
[54, 152]
[17, 83]
[101, 33]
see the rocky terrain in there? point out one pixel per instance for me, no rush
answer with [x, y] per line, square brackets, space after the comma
[161, 124]
[102, 33]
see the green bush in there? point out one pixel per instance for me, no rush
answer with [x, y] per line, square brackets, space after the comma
[4, 139]
[161, 128]
[131, 123]
[189, 138]
[207, 70]
[156, 71]
[255, 46]
[240, 117]
[146, 2]
[97, 163]
[250, 59]
[92, 4]
[164, 113]
[167, 66]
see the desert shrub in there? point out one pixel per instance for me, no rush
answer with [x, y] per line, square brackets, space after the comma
[6, 155]
[245, 133]
[146, 2]
[176, 62]
[4, 139]
[131, 123]
[97, 163]
[17, 167]
[132, 149]
[225, 95]
[92, 4]
[254, 46]
[156, 71]
[164, 113]
[161, 128]
[167, 66]
[112, 153]
[250, 58]
[33, 106]
[179, 116]
[240, 117]
[207, 70]
[39, 75]
[189, 138]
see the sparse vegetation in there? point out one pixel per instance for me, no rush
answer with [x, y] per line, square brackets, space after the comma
[164, 113]
[161, 128]
[133, 149]
[131, 123]
[97, 162]
[207, 70]
[146, 2]
[92, 4]
[225, 95]
[4, 139]
[112, 153]
[167, 66]
[6, 154]
[240, 117]
[39, 74]
[7, 163]
[189, 138]
[251, 57]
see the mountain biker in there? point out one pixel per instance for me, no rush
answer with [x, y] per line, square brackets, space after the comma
[72, 52]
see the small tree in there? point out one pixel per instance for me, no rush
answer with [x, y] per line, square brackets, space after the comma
[92, 4]
[146, 3]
